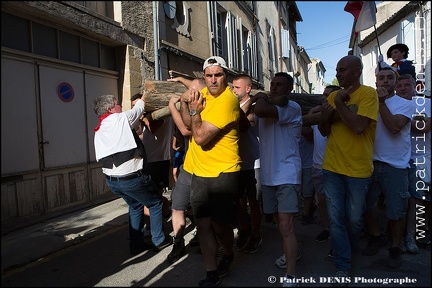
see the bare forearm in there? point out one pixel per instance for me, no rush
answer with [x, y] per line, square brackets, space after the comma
[178, 121]
[324, 127]
[393, 123]
[184, 112]
[265, 110]
[202, 133]
[355, 122]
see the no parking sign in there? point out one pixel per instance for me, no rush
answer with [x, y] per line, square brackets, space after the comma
[65, 92]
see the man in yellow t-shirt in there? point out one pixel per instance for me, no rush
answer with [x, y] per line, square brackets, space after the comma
[213, 114]
[348, 119]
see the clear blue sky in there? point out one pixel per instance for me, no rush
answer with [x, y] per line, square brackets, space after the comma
[325, 32]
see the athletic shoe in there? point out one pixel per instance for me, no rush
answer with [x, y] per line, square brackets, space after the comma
[224, 264]
[168, 241]
[323, 236]
[253, 244]
[243, 237]
[373, 245]
[207, 282]
[281, 261]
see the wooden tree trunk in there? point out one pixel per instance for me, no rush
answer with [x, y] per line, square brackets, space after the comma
[163, 112]
[306, 101]
[157, 94]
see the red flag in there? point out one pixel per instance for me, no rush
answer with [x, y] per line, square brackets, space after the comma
[354, 7]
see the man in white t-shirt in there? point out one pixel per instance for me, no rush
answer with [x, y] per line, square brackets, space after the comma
[419, 175]
[392, 153]
[279, 128]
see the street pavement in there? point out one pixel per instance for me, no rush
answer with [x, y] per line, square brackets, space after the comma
[89, 248]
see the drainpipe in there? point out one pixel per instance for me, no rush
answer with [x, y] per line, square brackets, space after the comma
[156, 39]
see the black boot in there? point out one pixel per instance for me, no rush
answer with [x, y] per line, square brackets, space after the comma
[178, 250]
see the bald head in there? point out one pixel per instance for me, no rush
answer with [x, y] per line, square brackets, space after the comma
[348, 71]
[197, 84]
[353, 61]
[242, 86]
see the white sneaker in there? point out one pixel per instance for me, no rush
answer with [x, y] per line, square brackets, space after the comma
[281, 261]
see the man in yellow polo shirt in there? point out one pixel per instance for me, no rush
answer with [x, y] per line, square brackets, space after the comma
[348, 119]
[213, 114]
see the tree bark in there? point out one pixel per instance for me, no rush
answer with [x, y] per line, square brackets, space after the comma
[163, 112]
[157, 94]
[306, 101]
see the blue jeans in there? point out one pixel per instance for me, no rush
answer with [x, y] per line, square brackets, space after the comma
[137, 193]
[346, 203]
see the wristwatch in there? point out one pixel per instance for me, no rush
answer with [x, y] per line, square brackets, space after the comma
[193, 112]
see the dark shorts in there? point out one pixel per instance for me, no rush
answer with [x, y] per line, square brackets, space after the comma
[247, 184]
[417, 187]
[159, 172]
[178, 159]
[393, 183]
[215, 197]
[180, 194]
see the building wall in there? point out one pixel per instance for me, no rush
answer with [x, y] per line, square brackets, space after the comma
[390, 16]
[185, 39]
[63, 175]
[316, 78]
[58, 172]
[268, 17]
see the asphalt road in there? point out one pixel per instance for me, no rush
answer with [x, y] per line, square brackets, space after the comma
[104, 261]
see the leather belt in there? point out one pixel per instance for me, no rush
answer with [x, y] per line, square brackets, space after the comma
[131, 176]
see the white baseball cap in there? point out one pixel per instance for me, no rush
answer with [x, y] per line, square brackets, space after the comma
[214, 61]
